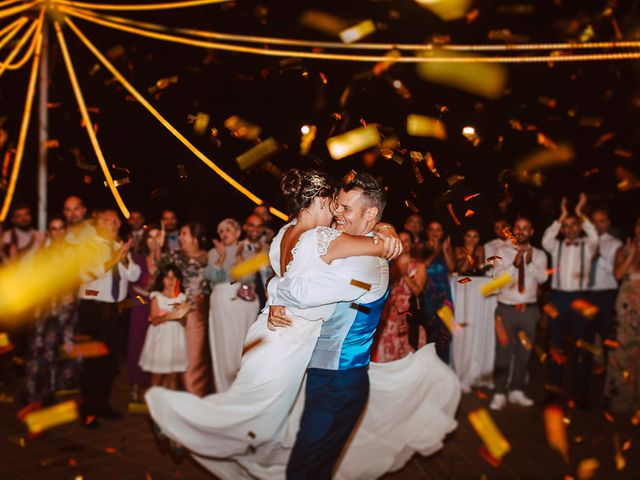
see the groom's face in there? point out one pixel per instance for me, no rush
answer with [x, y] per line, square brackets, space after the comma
[351, 213]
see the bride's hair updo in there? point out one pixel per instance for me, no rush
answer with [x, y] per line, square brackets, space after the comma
[300, 188]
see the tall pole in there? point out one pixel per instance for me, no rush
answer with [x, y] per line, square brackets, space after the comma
[43, 128]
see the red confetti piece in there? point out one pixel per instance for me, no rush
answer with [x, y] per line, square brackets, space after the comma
[464, 280]
[110, 450]
[32, 407]
[550, 310]
[558, 356]
[481, 395]
[91, 293]
[490, 459]
[611, 343]
[503, 338]
[609, 417]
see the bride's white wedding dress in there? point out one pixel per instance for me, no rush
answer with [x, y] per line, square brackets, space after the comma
[248, 431]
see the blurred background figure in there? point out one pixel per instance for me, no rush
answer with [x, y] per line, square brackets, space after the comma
[415, 227]
[402, 315]
[492, 246]
[470, 256]
[136, 226]
[255, 242]
[21, 239]
[169, 225]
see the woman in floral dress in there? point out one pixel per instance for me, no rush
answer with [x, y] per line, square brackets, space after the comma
[191, 259]
[622, 386]
[408, 279]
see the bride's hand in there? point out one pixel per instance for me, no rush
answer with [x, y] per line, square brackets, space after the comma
[278, 318]
[392, 246]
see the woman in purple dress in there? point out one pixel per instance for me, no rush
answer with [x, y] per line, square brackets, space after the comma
[150, 252]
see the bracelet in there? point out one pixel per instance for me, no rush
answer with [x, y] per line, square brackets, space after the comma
[383, 227]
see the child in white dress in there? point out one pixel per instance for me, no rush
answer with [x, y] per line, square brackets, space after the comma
[164, 353]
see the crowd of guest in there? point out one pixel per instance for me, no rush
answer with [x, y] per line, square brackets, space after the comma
[161, 295]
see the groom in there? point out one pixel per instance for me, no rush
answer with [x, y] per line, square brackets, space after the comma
[337, 380]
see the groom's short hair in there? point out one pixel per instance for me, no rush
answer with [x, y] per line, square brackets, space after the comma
[373, 194]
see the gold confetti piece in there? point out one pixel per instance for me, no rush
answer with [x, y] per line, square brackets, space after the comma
[242, 129]
[409, 204]
[501, 333]
[271, 169]
[20, 441]
[587, 468]
[585, 308]
[119, 182]
[445, 313]
[138, 407]
[381, 67]
[487, 430]
[446, 9]
[454, 179]
[360, 308]
[401, 89]
[588, 347]
[453, 215]
[358, 31]
[508, 36]
[257, 154]
[131, 302]
[496, 284]
[592, 122]
[423, 126]
[621, 462]
[249, 266]
[307, 136]
[542, 355]
[52, 416]
[53, 143]
[353, 141]
[550, 310]
[200, 122]
[359, 284]
[6, 398]
[524, 340]
[485, 79]
[545, 141]
[323, 22]
[464, 280]
[560, 155]
[556, 430]
[66, 393]
[4, 340]
[84, 350]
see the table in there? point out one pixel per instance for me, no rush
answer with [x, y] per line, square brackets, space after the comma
[473, 346]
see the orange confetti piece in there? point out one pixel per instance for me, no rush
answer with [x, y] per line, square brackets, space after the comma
[635, 420]
[608, 417]
[501, 333]
[542, 355]
[621, 462]
[110, 450]
[469, 213]
[556, 430]
[469, 197]
[585, 308]
[558, 356]
[611, 343]
[490, 459]
[587, 468]
[73, 463]
[484, 426]
[481, 395]
[626, 445]
[588, 347]
[453, 215]
[84, 350]
[550, 310]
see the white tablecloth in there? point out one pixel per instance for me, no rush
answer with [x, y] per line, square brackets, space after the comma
[473, 346]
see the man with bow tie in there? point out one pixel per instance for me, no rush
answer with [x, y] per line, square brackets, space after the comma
[571, 260]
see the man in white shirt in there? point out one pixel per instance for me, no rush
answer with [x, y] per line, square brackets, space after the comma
[21, 239]
[602, 282]
[571, 263]
[253, 244]
[78, 229]
[517, 314]
[169, 224]
[492, 247]
[105, 284]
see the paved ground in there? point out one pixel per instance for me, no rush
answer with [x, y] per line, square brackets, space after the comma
[126, 449]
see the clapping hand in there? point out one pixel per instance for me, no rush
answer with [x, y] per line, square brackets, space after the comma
[222, 252]
[564, 213]
[582, 201]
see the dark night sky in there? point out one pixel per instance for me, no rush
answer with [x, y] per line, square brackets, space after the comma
[280, 98]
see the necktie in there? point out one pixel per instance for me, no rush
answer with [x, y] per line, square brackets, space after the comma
[521, 273]
[592, 271]
[115, 283]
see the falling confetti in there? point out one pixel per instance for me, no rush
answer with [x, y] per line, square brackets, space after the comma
[486, 429]
[250, 266]
[50, 417]
[358, 31]
[587, 468]
[496, 284]
[556, 430]
[423, 126]
[258, 154]
[353, 141]
[359, 284]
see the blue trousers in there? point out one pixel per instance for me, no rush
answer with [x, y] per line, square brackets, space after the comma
[334, 401]
[581, 329]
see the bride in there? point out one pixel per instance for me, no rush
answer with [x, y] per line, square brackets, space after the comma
[248, 431]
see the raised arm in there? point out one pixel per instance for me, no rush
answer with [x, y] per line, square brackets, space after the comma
[625, 256]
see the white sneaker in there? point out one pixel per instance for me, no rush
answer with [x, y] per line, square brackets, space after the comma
[498, 402]
[520, 398]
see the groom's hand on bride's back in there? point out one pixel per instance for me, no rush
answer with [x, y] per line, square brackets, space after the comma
[392, 246]
[278, 317]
